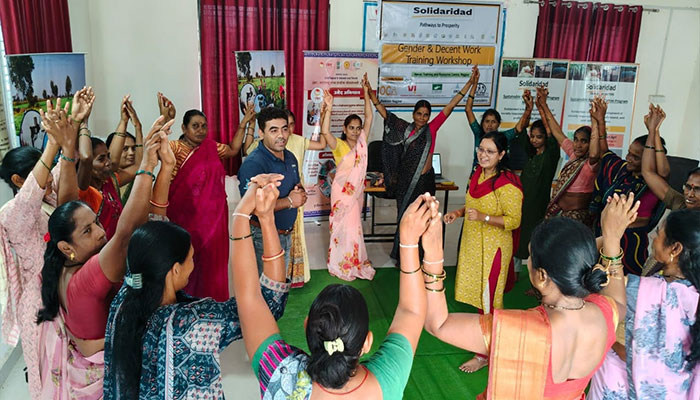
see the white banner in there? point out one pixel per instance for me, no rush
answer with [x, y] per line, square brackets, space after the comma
[520, 74]
[341, 74]
[618, 83]
[427, 50]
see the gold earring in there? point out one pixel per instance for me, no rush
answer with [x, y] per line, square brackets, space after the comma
[72, 256]
[671, 258]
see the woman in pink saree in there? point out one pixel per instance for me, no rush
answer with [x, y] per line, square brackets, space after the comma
[197, 202]
[347, 256]
[658, 357]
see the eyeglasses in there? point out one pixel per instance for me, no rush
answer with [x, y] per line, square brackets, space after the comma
[489, 153]
[691, 188]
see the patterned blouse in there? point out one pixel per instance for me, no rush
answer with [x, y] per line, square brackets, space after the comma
[182, 344]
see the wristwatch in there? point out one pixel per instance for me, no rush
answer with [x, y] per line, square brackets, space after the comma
[487, 219]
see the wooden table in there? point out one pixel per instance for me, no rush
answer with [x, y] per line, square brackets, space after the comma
[374, 237]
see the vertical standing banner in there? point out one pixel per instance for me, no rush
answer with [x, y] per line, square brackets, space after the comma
[427, 50]
[340, 73]
[261, 80]
[369, 31]
[35, 78]
[618, 83]
[4, 137]
[520, 74]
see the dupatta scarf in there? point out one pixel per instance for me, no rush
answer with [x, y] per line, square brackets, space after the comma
[567, 176]
[198, 204]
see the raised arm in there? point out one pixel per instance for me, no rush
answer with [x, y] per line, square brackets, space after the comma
[379, 106]
[459, 329]
[326, 111]
[619, 213]
[458, 97]
[367, 89]
[159, 198]
[524, 120]
[656, 182]
[117, 145]
[547, 116]
[421, 220]
[469, 108]
[234, 147]
[84, 141]
[257, 322]
[598, 109]
[62, 133]
[113, 254]
[662, 166]
[138, 142]
[166, 108]
[319, 144]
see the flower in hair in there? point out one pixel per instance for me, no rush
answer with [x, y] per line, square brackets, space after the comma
[333, 346]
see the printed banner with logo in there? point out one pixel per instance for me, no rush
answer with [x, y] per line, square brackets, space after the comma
[261, 80]
[427, 50]
[35, 78]
[618, 83]
[520, 74]
[340, 73]
[5, 144]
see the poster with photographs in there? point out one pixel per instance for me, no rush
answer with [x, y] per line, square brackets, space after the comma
[35, 78]
[520, 74]
[618, 83]
[341, 74]
[262, 80]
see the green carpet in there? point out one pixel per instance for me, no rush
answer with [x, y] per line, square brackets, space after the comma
[435, 373]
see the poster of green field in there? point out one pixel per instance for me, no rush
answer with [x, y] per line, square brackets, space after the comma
[261, 80]
[35, 78]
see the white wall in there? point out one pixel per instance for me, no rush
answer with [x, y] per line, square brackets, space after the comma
[138, 47]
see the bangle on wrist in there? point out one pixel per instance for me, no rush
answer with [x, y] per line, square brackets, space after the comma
[159, 205]
[237, 214]
[240, 237]
[408, 246]
[138, 145]
[409, 272]
[291, 203]
[144, 172]
[271, 258]
[471, 96]
[44, 164]
[63, 157]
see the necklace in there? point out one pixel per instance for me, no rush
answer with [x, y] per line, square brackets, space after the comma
[348, 392]
[556, 307]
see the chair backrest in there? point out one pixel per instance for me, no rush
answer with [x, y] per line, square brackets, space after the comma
[680, 167]
[374, 157]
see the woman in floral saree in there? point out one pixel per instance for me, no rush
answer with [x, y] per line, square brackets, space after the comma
[347, 256]
[658, 357]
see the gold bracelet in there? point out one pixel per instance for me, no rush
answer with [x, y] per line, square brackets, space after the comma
[436, 290]
[439, 276]
[410, 272]
[614, 258]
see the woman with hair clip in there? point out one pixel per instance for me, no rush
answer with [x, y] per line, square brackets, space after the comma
[197, 199]
[690, 198]
[625, 176]
[489, 235]
[660, 347]
[99, 172]
[407, 152]
[542, 152]
[81, 273]
[337, 327]
[24, 223]
[573, 189]
[347, 255]
[490, 119]
[550, 351]
[151, 312]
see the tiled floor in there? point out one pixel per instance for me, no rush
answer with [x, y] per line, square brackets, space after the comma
[238, 377]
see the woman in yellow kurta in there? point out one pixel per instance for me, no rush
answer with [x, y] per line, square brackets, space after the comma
[299, 271]
[492, 209]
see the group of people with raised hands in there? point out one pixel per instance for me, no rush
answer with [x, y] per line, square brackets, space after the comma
[118, 254]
